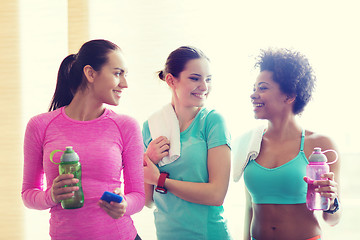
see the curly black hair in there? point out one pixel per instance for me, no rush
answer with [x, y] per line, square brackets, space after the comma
[292, 71]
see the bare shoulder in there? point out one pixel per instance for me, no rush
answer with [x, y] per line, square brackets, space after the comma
[314, 139]
[324, 142]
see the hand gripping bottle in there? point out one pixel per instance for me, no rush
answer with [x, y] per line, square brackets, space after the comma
[317, 166]
[70, 165]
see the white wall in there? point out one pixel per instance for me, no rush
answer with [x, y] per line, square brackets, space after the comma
[230, 32]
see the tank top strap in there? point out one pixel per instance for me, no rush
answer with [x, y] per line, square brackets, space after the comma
[302, 140]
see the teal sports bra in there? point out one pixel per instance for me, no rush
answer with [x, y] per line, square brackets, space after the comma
[280, 185]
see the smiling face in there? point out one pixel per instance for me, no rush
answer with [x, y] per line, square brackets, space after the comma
[193, 85]
[110, 80]
[268, 100]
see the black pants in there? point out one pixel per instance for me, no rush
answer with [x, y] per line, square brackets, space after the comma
[137, 237]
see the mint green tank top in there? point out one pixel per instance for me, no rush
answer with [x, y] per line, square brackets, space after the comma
[280, 185]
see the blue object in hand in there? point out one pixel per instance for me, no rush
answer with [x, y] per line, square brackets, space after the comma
[111, 197]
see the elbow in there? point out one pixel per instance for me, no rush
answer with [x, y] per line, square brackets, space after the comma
[334, 222]
[31, 204]
[25, 200]
[218, 204]
[149, 204]
[217, 200]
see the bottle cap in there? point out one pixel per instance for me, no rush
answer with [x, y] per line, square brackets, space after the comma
[69, 155]
[317, 156]
[317, 150]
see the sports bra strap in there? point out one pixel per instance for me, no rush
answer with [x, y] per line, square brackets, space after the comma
[302, 140]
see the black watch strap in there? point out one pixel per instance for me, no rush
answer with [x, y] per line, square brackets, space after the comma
[336, 205]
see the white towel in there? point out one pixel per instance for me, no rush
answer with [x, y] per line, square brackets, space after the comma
[165, 123]
[246, 148]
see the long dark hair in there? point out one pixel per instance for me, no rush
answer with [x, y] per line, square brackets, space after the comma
[178, 58]
[70, 76]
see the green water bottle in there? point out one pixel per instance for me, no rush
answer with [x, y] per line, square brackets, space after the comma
[70, 165]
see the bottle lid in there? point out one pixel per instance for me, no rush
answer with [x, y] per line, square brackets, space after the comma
[317, 156]
[317, 150]
[69, 155]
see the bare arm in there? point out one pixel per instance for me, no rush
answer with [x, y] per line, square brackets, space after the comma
[210, 193]
[248, 215]
[213, 192]
[149, 191]
[331, 187]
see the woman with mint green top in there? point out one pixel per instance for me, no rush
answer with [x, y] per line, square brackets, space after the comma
[189, 205]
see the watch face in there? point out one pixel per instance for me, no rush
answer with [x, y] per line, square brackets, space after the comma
[160, 190]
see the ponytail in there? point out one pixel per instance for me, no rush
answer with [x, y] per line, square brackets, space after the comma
[161, 75]
[63, 91]
[70, 76]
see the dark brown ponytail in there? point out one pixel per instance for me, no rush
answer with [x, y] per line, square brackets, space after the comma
[70, 76]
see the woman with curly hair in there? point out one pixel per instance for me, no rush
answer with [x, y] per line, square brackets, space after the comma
[275, 175]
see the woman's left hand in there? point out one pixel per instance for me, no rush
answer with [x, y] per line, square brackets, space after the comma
[327, 188]
[114, 209]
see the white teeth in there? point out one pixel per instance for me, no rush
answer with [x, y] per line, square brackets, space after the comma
[200, 95]
[259, 105]
[117, 93]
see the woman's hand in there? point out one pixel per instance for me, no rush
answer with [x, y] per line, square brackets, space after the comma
[114, 209]
[327, 188]
[151, 172]
[59, 192]
[158, 149]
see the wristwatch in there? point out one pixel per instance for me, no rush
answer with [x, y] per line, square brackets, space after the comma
[336, 207]
[160, 188]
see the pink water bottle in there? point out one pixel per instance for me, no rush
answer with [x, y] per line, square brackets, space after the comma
[317, 166]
